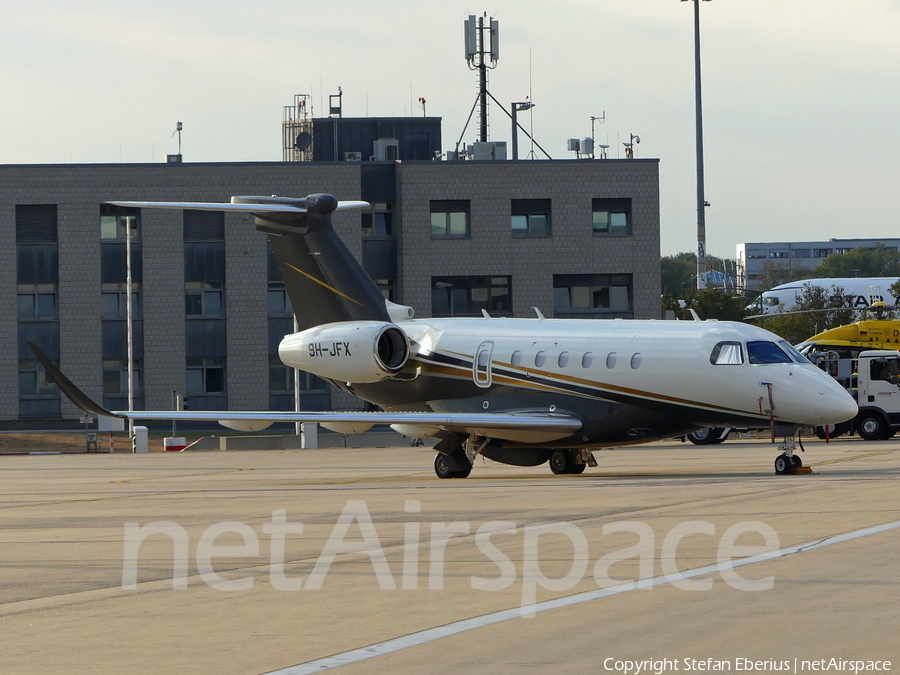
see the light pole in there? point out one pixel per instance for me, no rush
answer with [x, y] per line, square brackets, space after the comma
[129, 323]
[518, 107]
[701, 200]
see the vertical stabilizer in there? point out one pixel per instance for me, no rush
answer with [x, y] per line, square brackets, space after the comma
[322, 278]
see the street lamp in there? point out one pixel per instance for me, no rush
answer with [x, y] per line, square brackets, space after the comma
[701, 201]
[518, 107]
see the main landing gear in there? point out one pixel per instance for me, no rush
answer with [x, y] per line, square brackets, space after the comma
[456, 454]
[571, 461]
[452, 465]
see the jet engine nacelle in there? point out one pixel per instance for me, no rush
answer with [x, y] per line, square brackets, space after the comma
[363, 351]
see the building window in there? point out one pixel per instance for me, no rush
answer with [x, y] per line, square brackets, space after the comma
[117, 221]
[38, 394]
[279, 302]
[530, 217]
[821, 252]
[800, 253]
[204, 298]
[467, 296]
[114, 301]
[37, 302]
[450, 218]
[842, 251]
[379, 221]
[386, 286]
[115, 384]
[778, 254]
[205, 376]
[611, 216]
[203, 225]
[756, 255]
[592, 296]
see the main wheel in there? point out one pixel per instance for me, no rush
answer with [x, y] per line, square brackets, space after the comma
[797, 461]
[447, 466]
[442, 466]
[560, 461]
[872, 427]
[783, 465]
[463, 473]
[577, 468]
[700, 437]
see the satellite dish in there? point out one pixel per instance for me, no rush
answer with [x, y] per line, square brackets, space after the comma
[304, 140]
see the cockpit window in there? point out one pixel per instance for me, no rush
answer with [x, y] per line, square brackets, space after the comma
[727, 354]
[763, 352]
[794, 353]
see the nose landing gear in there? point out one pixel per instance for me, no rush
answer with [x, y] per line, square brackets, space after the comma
[787, 462]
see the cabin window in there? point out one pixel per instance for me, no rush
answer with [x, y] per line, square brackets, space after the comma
[727, 354]
[516, 359]
[611, 360]
[790, 349]
[636, 361]
[586, 360]
[762, 352]
[539, 359]
[563, 360]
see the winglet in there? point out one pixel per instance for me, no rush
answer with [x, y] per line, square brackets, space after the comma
[73, 393]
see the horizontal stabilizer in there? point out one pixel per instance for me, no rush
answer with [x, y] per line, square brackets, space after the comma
[252, 205]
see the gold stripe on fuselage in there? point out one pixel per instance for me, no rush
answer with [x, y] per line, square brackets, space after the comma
[662, 398]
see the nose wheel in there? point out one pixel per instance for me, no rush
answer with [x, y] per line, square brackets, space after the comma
[787, 462]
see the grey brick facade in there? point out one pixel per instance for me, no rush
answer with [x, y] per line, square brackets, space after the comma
[78, 191]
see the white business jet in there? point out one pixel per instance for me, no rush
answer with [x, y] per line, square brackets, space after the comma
[517, 391]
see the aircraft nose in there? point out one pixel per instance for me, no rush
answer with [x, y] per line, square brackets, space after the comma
[834, 407]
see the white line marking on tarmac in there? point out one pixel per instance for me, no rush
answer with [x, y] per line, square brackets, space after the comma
[432, 634]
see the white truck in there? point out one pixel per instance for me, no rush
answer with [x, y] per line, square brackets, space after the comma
[861, 292]
[873, 379]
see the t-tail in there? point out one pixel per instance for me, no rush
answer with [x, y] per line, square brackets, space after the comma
[324, 281]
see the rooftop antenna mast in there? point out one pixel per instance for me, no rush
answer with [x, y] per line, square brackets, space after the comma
[482, 53]
[482, 44]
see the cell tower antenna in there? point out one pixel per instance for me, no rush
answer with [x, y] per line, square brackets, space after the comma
[482, 39]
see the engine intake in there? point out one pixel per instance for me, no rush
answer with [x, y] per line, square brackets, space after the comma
[363, 351]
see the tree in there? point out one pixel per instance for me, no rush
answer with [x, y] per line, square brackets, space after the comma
[714, 303]
[798, 327]
[894, 289]
[772, 274]
[679, 272]
[861, 262]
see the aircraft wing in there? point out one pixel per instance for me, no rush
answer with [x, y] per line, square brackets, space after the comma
[540, 426]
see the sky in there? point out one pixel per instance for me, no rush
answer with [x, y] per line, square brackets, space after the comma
[800, 97]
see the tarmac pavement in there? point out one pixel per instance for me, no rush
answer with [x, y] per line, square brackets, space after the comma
[82, 591]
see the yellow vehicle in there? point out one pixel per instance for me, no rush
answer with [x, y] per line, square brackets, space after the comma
[849, 340]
